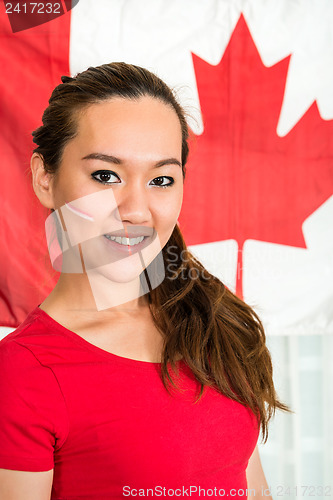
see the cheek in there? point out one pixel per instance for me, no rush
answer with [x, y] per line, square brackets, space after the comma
[167, 214]
[178, 199]
[73, 188]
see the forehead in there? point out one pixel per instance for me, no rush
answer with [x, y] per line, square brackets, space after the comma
[132, 126]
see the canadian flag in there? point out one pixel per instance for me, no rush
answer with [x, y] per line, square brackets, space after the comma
[256, 78]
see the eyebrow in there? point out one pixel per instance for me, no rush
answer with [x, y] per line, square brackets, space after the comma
[118, 161]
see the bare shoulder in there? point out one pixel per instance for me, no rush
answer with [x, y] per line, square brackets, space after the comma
[24, 485]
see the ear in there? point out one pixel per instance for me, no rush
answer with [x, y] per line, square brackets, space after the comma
[41, 181]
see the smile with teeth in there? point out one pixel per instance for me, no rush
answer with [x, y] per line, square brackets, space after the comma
[125, 241]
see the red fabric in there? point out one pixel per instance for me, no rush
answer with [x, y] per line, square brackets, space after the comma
[105, 422]
[31, 62]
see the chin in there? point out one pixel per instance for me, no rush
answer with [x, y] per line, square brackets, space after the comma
[129, 276]
[123, 276]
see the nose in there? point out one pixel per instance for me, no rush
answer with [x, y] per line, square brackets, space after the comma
[133, 204]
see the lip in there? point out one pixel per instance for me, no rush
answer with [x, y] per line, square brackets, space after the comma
[127, 249]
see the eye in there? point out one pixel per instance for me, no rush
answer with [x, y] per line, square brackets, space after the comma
[103, 176]
[160, 179]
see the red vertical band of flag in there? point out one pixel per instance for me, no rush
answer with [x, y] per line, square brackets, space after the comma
[31, 62]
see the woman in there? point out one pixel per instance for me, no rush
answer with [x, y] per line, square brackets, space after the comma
[140, 370]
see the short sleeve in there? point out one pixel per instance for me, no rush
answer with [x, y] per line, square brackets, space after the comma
[33, 414]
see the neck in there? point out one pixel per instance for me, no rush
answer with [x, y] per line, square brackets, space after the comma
[93, 293]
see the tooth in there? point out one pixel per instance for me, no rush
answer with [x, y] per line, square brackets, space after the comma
[126, 241]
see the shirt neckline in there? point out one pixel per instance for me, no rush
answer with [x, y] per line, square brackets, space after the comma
[46, 318]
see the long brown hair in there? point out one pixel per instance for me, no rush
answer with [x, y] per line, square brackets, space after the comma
[221, 338]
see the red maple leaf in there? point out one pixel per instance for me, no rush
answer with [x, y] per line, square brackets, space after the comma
[243, 180]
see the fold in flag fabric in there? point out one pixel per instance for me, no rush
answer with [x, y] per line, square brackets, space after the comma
[256, 81]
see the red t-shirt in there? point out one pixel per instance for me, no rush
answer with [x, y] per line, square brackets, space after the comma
[107, 425]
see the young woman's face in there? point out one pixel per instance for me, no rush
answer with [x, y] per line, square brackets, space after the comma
[121, 175]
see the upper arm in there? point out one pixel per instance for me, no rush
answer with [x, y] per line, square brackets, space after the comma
[33, 420]
[256, 477]
[23, 485]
